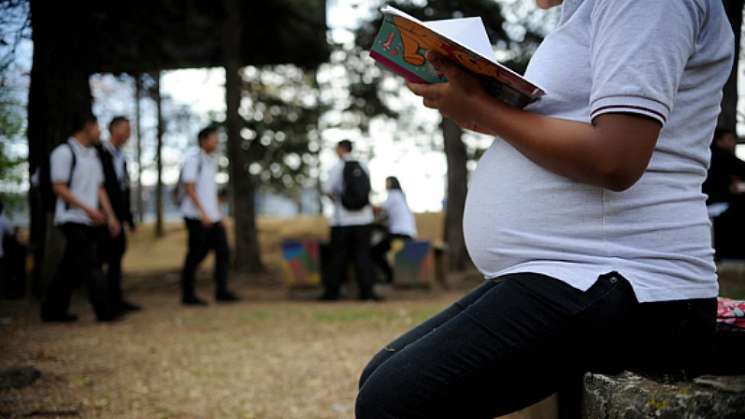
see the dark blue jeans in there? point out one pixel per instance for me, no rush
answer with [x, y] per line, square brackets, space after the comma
[517, 339]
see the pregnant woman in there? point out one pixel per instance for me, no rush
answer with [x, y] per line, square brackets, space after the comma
[585, 216]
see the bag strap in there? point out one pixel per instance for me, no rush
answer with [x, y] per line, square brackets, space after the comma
[73, 163]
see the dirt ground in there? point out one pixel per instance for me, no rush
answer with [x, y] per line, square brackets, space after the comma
[266, 357]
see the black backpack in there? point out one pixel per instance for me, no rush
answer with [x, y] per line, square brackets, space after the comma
[356, 192]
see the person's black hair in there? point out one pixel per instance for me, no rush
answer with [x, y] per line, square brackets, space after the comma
[345, 145]
[116, 120]
[206, 132]
[395, 184]
[80, 120]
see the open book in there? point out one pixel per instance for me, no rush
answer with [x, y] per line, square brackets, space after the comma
[403, 41]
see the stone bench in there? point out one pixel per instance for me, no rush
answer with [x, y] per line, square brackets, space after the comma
[632, 396]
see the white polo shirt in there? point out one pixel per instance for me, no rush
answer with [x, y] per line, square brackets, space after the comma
[334, 186]
[200, 169]
[663, 59]
[87, 178]
[400, 218]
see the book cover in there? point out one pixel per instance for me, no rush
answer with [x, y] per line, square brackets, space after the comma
[403, 41]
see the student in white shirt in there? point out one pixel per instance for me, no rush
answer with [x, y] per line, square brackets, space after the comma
[77, 180]
[348, 186]
[401, 225]
[201, 211]
[585, 216]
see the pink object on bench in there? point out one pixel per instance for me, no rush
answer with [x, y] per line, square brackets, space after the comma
[731, 312]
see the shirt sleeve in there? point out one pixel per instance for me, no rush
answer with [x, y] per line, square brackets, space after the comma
[189, 172]
[334, 182]
[638, 53]
[60, 164]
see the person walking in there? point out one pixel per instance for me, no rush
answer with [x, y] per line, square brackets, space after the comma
[77, 181]
[116, 182]
[203, 219]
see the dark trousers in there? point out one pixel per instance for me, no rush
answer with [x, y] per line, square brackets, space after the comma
[380, 251]
[516, 340]
[349, 244]
[729, 228]
[111, 253]
[13, 269]
[79, 265]
[202, 239]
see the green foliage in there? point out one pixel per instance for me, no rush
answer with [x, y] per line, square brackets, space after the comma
[280, 111]
[11, 129]
[14, 27]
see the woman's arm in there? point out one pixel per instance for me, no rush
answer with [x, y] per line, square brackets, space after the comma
[612, 152]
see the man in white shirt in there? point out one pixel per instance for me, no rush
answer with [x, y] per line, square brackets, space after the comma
[348, 186]
[116, 182]
[201, 210]
[77, 180]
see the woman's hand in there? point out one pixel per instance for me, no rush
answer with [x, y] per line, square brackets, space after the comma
[457, 99]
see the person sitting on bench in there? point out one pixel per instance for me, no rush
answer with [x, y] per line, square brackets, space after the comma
[401, 225]
[585, 216]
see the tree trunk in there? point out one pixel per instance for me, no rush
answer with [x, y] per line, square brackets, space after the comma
[728, 116]
[138, 136]
[455, 151]
[159, 160]
[248, 257]
[59, 89]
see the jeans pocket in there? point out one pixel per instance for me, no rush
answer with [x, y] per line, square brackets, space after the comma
[609, 288]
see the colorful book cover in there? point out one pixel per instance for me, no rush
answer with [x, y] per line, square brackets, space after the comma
[403, 41]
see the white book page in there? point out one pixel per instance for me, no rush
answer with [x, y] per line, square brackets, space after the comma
[468, 32]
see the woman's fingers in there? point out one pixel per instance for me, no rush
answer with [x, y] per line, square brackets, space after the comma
[443, 65]
[418, 89]
[430, 103]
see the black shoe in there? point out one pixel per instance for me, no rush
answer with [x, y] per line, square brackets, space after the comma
[59, 318]
[193, 300]
[227, 297]
[127, 306]
[372, 297]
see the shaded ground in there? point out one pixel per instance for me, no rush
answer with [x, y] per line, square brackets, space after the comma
[263, 358]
